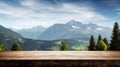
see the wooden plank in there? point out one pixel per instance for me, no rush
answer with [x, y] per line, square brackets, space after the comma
[60, 55]
[59, 63]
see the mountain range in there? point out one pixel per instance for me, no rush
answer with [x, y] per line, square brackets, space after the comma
[70, 30]
[8, 37]
[74, 29]
[31, 33]
[74, 32]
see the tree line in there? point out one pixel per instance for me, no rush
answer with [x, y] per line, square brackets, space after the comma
[102, 44]
[14, 47]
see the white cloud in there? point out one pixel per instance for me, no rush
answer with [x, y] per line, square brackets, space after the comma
[34, 13]
[118, 11]
[12, 11]
[81, 13]
[118, 14]
[29, 3]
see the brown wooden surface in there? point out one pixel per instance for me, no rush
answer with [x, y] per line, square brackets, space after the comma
[60, 55]
[59, 63]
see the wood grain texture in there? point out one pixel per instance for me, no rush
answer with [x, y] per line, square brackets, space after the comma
[60, 55]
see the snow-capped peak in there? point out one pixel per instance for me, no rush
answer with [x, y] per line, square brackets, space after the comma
[75, 27]
[99, 29]
[73, 22]
[89, 28]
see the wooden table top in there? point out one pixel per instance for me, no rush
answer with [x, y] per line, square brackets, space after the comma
[60, 55]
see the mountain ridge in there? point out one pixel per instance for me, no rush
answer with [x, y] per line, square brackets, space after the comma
[74, 29]
[31, 33]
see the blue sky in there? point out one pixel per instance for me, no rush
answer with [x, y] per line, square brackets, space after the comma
[28, 13]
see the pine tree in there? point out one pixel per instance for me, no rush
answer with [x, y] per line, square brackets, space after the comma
[101, 45]
[2, 47]
[106, 42]
[15, 47]
[91, 43]
[115, 39]
[64, 46]
[99, 38]
[118, 46]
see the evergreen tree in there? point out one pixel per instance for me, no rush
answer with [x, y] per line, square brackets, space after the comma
[15, 47]
[106, 42]
[99, 38]
[118, 46]
[91, 43]
[63, 46]
[115, 39]
[101, 45]
[2, 47]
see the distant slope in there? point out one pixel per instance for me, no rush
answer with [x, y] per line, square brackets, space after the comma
[31, 33]
[74, 44]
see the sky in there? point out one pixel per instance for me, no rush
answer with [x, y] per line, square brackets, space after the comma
[19, 14]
